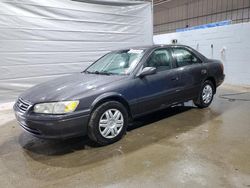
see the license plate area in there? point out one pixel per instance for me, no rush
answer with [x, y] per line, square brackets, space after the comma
[22, 123]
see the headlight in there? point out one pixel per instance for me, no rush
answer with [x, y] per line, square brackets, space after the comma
[56, 107]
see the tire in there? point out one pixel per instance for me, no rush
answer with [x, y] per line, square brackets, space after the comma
[207, 89]
[103, 128]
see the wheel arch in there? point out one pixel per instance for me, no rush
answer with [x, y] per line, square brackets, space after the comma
[212, 79]
[111, 97]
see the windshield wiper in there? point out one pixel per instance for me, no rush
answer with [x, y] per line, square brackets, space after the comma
[103, 73]
[88, 72]
[98, 72]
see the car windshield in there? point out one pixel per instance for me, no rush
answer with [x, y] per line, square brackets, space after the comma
[120, 62]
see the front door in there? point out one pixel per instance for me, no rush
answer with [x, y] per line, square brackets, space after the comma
[158, 90]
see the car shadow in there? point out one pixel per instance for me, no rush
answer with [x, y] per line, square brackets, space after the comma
[62, 147]
[34, 146]
[157, 116]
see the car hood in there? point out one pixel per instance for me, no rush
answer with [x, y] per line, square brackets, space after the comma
[68, 87]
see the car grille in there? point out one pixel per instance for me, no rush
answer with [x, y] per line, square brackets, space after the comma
[22, 105]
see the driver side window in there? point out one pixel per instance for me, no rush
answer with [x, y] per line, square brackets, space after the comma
[160, 59]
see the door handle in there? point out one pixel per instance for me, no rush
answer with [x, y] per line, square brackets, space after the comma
[175, 78]
[203, 71]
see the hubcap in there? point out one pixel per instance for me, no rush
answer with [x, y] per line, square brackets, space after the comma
[111, 123]
[207, 94]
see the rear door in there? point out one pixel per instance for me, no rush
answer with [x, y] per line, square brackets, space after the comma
[192, 72]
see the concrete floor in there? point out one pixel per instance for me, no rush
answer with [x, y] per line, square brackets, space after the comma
[177, 147]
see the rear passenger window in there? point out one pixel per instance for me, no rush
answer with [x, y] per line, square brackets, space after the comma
[160, 59]
[184, 57]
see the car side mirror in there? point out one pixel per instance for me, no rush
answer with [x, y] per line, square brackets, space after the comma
[147, 71]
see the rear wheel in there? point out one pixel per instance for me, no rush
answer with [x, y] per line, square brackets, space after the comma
[206, 95]
[108, 123]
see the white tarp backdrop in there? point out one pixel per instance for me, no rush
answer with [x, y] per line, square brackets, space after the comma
[44, 39]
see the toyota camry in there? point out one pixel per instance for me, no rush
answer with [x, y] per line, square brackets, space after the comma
[120, 86]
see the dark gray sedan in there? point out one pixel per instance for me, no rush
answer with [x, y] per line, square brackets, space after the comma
[119, 86]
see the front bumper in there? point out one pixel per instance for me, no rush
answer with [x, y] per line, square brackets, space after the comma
[53, 126]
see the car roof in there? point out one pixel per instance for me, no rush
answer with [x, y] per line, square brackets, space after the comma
[154, 46]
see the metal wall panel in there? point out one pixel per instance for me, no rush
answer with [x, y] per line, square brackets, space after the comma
[168, 15]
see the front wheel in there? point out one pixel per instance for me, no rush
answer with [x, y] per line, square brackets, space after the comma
[108, 123]
[206, 95]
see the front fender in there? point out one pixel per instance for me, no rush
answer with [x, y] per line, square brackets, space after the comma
[105, 96]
